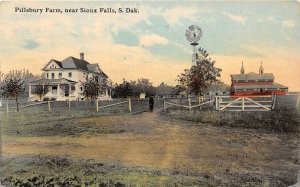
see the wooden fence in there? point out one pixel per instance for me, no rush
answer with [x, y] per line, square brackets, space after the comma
[248, 103]
[201, 101]
[131, 105]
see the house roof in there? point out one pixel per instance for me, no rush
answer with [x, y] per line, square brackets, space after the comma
[272, 86]
[75, 63]
[53, 81]
[252, 76]
[58, 63]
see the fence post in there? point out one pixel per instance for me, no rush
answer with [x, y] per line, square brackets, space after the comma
[7, 110]
[129, 104]
[164, 105]
[243, 104]
[97, 105]
[49, 107]
[190, 105]
[199, 100]
[216, 103]
[274, 102]
[69, 103]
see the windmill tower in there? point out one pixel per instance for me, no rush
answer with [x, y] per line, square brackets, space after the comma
[193, 35]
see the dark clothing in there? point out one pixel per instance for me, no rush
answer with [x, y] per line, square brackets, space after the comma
[151, 104]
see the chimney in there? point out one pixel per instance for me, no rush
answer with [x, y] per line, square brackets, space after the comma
[81, 56]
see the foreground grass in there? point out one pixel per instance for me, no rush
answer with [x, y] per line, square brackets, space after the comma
[89, 148]
[282, 120]
[60, 171]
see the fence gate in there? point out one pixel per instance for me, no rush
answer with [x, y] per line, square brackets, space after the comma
[246, 103]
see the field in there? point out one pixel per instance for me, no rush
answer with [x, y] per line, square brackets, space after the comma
[78, 147]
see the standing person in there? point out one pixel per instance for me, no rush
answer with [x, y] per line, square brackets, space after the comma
[151, 103]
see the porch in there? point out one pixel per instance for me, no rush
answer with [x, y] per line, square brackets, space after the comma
[52, 89]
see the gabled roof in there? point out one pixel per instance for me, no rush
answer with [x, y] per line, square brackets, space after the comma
[252, 76]
[52, 60]
[75, 63]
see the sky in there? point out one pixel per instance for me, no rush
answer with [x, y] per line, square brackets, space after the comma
[151, 43]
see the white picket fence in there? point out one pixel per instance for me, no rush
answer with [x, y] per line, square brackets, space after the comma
[246, 103]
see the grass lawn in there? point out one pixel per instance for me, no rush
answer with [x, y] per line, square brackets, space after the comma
[85, 147]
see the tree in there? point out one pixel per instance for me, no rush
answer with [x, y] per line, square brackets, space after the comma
[196, 79]
[13, 87]
[144, 86]
[123, 90]
[40, 90]
[91, 88]
[164, 89]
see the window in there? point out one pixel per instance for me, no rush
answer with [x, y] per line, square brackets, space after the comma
[73, 88]
[81, 89]
[60, 75]
[52, 76]
[70, 74]
[47, 75]
[87, 76]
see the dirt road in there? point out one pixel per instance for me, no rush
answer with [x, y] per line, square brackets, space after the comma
[151, 141]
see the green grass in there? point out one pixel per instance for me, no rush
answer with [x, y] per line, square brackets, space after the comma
[49, 170]
[282, 120]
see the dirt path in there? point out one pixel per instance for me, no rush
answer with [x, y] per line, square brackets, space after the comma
[150, 141]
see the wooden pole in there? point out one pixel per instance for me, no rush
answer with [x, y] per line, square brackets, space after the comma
[243, 104]
[129, 104]
[274, 102]
[97, 105]
[49, 107]
[69, 95]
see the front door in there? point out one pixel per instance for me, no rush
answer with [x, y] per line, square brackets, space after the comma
[67, 90]
[54, 90]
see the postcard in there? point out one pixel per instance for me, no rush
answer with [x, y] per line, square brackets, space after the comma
[149, 93]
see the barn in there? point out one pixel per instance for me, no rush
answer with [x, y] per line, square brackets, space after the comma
[255, 84]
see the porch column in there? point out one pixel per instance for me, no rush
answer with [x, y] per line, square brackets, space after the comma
[58, 94]
[106, 91]
[69, 91]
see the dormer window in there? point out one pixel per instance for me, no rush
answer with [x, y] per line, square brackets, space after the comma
[70, 74]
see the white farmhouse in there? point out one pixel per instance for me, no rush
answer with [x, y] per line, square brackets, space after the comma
[65, 79]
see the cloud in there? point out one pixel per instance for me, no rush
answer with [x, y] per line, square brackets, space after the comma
[30, 44]
[288, 23]
[235, 18]
[152, 39]
[173, 15]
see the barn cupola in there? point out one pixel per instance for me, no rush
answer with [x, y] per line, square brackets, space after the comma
[261, 69]
[242, 69]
